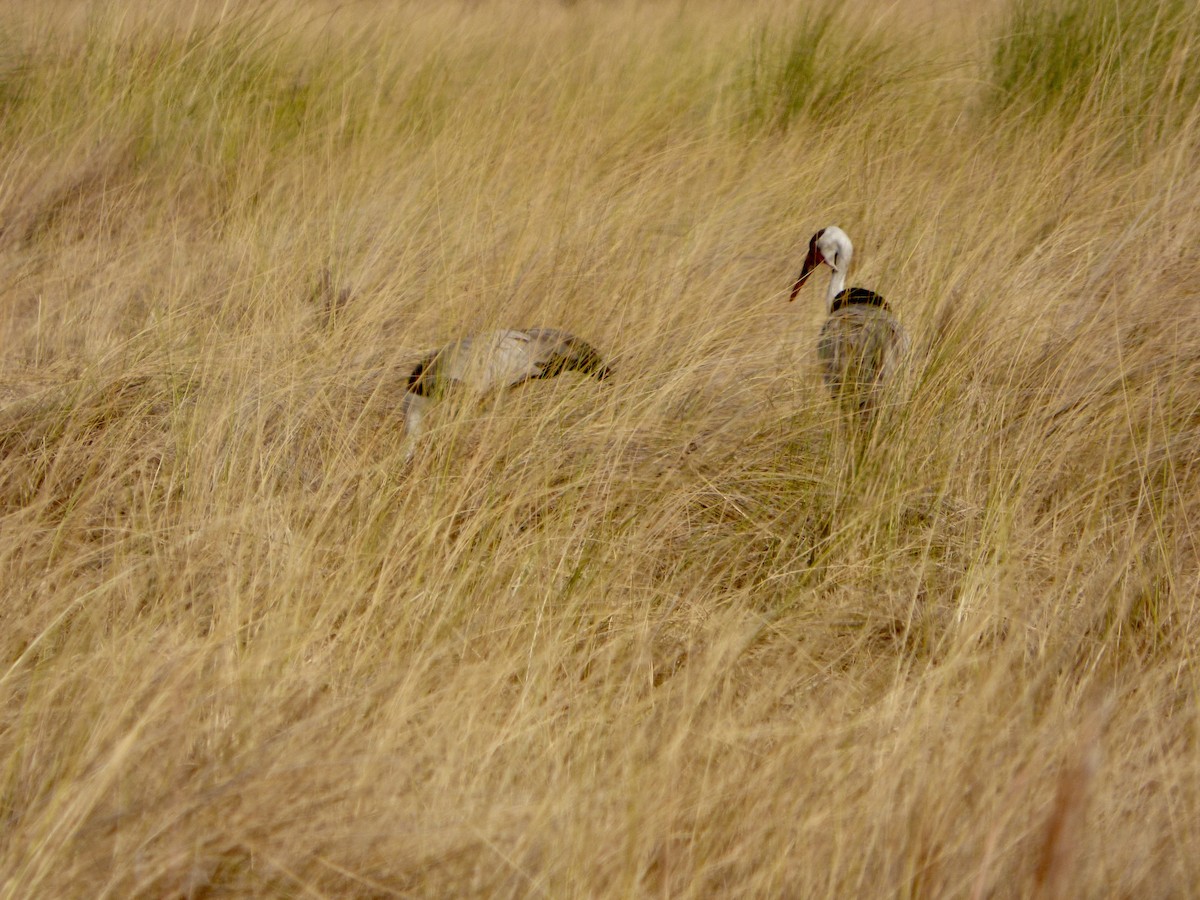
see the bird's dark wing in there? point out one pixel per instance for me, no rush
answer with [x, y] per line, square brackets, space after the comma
[553, 352]
[857, 296]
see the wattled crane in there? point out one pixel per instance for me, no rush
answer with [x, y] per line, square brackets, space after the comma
[861, 343]
[494, 360]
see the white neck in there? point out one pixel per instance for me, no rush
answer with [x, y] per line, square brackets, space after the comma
[837, 284]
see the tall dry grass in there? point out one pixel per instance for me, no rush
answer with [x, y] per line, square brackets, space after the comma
[681, 634]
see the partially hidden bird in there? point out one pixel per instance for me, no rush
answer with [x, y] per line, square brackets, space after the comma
[494, 360]
[862, 344]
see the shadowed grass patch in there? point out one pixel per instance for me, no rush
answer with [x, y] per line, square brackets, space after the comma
[1131, 63]
[823, 67]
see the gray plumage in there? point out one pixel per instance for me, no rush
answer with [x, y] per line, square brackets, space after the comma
[494, 360]
[862, 344]
[860, 349]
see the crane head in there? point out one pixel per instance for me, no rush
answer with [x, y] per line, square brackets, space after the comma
[830, 246]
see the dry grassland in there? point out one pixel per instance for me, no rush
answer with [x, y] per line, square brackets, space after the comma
[678, 634]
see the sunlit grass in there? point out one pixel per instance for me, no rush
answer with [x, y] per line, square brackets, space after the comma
[681, 632]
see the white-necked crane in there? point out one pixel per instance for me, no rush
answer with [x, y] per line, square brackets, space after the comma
[494, 360]
[862, 343]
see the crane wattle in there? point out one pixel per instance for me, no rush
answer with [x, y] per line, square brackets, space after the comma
[811, 262]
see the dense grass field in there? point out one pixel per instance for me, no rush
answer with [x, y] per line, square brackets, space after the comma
[684, 633]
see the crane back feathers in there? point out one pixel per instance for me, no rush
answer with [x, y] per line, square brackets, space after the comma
[505, 359]
[492, 361]
[861, 346]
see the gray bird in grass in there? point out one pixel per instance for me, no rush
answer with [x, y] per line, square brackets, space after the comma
[862, 344]
[493, 360]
